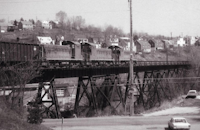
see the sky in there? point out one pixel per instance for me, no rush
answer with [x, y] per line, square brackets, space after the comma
[155, 17]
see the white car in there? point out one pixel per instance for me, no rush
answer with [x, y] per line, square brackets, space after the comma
[191, 94]
[178, 123]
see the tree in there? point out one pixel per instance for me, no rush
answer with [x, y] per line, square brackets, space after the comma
[39, 27]
[32, 21]
[78, 22]
[16, 77]
[135, 38]
[15, 22]
[61, 17]
[21, 19]
[38, 24]
[69, 24]
[111, 31]
[2, 20]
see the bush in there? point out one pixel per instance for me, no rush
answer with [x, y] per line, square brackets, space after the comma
[139, 109]
[12, 120]
[34, 115]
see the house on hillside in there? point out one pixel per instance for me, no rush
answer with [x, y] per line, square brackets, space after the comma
[193, 40]
[197, 42]
[6, 27]
[152, 42]
[181, 42]
[44, 40]
[170, 44]
[125, 43]
[159, 45]
[173, 43]
[25, 25]
[166, 44]
[114, 40]
[96, 41]
[54, 24]
[46, 25]
[142, 46]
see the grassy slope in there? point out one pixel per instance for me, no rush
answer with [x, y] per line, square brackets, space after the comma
[178, 102]
[11, 120]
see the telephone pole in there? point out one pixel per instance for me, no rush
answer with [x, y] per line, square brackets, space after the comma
[131, 62]
[171, 35]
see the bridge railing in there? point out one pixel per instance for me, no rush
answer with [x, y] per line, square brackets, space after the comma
[153, 63]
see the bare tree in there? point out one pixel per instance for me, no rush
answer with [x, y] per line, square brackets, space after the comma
[61, 17]
[21, 19]
[79, 22]
[15, 78]
[2, 20]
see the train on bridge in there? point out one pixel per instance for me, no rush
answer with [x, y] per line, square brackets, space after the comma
[68, 52]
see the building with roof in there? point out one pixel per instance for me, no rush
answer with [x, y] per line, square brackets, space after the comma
[44, 40]
[152, 42]
[25, 25]
[113, 40]
[6, 27]
[159, 45]
[181, 42]
[46, 25]
[125, 43]
[193, 40]
[169, 44]
[53, 24]
[142, 46]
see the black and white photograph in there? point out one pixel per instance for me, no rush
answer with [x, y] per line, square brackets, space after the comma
[99, 65]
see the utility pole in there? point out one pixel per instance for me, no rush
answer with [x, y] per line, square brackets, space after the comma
[131, 62]
[171, 35]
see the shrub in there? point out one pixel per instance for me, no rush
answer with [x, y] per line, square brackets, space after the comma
[34, 115]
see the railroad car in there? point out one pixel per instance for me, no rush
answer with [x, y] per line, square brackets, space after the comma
[19, 52]
[72, 53]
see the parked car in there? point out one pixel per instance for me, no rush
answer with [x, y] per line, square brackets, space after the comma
[178, 123]
[191, 94]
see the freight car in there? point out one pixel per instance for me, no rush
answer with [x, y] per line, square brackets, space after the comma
[69, 54]
[12, 53]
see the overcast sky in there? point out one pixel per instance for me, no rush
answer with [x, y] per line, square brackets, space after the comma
[179, 17]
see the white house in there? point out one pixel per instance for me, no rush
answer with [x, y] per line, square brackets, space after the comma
[192, 40]
[45, 40]
[46, 24]
[27, 25]
[181, 42]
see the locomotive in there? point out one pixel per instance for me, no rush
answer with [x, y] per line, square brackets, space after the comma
[70, 52]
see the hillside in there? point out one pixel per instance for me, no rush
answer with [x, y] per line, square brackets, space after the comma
[13, 119]
[29, 36]
[161, 55]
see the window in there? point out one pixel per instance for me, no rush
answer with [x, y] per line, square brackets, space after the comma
[60, 93]
[180, 120]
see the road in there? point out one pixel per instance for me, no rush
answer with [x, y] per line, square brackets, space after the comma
[118, 123]
[152, 121]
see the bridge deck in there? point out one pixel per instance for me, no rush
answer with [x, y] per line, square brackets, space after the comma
[48, 73]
